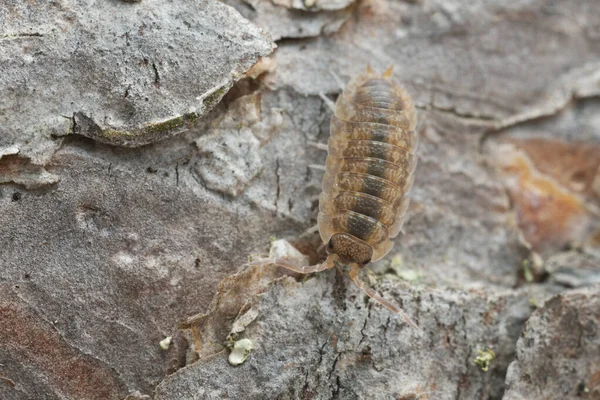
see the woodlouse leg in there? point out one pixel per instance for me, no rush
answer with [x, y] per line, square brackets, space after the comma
[338, 80]
[317, 166]
[354, 271]
[302, 269]
[320, 146]
[321, 247]
[313, 229]
[327, 101]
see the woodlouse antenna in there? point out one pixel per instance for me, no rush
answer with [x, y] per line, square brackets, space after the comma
[354, 272]
[369, 69]
[317, 145]
[317, 167]
[312, 229]
[388, 72]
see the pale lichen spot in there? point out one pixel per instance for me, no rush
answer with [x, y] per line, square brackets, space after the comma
[240, 352]
[484, 359]
[165, 343]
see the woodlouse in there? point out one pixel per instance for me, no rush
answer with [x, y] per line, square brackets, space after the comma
[369, 171]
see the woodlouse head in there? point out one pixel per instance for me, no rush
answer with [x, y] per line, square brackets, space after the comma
[349, 249]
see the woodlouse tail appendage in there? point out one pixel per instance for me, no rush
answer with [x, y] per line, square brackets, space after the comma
[354, 275]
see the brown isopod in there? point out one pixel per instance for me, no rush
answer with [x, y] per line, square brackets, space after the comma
[369, 171]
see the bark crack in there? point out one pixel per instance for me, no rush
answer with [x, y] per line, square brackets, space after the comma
[278, 192]
[481, 119]
[156, 76]
[12, 36]
[362, 330]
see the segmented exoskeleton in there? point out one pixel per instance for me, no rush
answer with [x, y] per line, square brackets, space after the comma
[369, 171]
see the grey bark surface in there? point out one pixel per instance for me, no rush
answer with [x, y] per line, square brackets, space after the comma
[568, 323]
[125, 74]
[107, 250]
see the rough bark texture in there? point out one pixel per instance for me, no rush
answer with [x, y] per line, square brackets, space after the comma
[106, 250]
[567, 323]
[125, 74]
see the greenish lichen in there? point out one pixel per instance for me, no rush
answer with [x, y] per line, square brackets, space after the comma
[164, 126]
[153, 129]
[533, 303]
[409, 275]
[527, 271]
[213, 98]
[397, 262]
[484, 359]
[399, 269]
[192, 117]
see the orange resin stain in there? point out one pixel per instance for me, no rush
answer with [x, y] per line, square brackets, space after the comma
[549, 212]
[575, 166]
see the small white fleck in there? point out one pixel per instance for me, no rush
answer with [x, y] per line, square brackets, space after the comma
[165, 343]
[240, 352]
